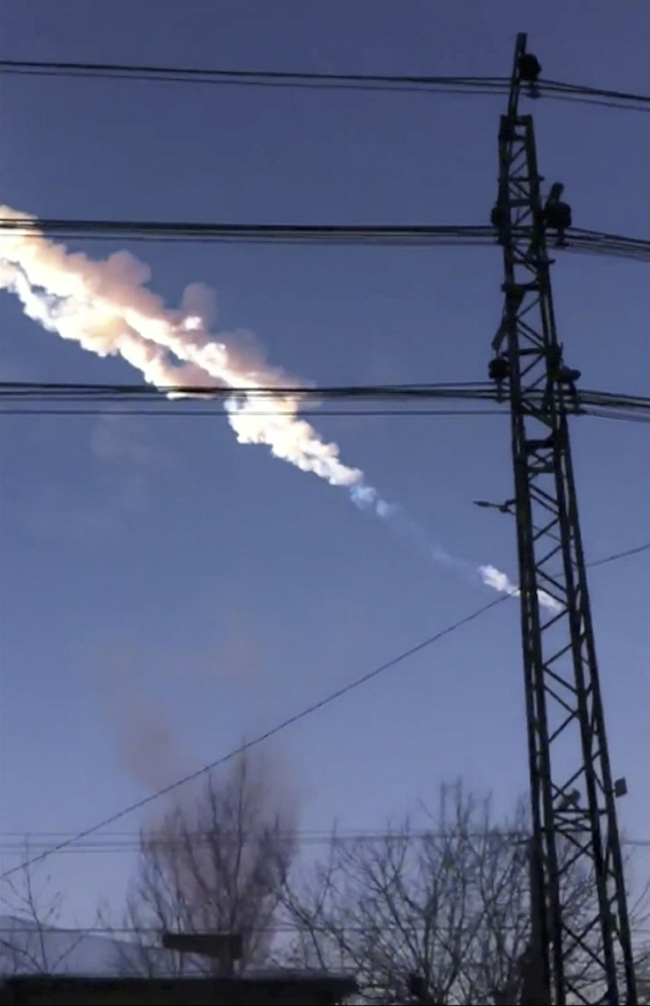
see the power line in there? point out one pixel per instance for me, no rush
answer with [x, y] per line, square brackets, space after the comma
[220, 414]
[175, 413]
[330, 81]
[289, 721]
[426, 390]
[607, 405]
[131, 842]
[578, 239]
[597, 92]
[621, 555]
[468, 390]
[273, 731]
[258, 78]
[284, 928]
[605, 414]
[280, 927]
[584, 98]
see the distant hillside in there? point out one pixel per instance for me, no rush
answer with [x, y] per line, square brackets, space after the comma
[27, 949]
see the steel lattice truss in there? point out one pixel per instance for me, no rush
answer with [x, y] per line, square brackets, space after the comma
[573, 794]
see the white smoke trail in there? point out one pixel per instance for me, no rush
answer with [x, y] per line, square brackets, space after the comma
[367, 498]
[106, 308]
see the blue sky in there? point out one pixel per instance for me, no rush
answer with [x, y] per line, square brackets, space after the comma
[152, 565]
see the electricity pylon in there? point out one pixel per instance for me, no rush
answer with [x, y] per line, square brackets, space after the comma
[573, 795]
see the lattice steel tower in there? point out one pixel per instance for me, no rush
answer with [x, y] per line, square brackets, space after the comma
[573, 794]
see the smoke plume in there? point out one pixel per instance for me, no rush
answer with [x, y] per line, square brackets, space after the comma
[107, 309]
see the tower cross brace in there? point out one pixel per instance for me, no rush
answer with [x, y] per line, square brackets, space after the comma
[574, 821]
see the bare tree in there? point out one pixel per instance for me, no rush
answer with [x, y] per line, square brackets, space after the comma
[32, 940]
[216, 863]
[440, 916]
[643, 976]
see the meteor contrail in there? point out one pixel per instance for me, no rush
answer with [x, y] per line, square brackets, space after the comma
[107, 309]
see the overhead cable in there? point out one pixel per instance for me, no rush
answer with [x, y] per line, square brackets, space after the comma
[332, 697]
[27, 398]
[330, 81]
[255, 742]
[578, 240]
[124, 842]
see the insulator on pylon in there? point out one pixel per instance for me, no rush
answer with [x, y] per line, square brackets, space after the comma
[529, 68]
[567, 375]
[498, 369]
[557, 214]
[529, 71]
[497, 216]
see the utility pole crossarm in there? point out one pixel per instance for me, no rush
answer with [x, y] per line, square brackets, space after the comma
[572, 791]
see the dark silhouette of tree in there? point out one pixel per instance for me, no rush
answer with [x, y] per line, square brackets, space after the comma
[438, 916]
[32, 940]
[218, 862]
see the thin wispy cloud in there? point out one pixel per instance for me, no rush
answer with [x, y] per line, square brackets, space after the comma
[128, 458]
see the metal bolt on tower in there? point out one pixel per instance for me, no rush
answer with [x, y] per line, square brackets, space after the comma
[572, 791]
